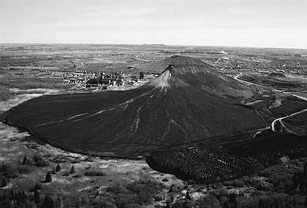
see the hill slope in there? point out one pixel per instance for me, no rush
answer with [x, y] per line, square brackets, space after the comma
[189, 101]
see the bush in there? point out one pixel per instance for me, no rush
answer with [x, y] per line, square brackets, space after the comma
[265, 201]
[139, 192]
[38, 187]
[123, 199]
[208, 201]
[250, 202]
[238, 183]
[40, 161]
[24, 169]
[144, 197]
[132, 205]
[118, 189]
[279, 200]
[9, 170]
[105, 204]
[218, 193]
[138, 188]
[5, 93]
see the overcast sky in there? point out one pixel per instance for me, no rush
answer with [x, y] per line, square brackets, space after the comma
[256, 23]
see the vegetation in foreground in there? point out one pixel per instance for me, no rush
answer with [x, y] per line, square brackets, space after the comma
[5, 93]
[280, 186]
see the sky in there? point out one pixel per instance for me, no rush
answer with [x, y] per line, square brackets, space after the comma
[247, 23]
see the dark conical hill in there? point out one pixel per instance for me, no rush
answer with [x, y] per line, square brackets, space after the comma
[190, 72]
[187, 102]
[182, 63]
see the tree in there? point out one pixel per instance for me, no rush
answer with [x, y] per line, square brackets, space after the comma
[4, 182]
[261, 204]
[47, 202]
[36, 197]
[48, 178]
[25, 161]
[38, 186]
[58, 168]
[232, 200]
[72, 170]
[187, 195]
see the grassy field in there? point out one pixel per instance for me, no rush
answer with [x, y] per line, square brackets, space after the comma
[5, 93]
[10, 81]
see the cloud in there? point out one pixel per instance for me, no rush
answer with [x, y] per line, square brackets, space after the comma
[240, 11]
[121, 12]
[103, 22]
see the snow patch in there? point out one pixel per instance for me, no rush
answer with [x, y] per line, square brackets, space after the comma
[162, 80]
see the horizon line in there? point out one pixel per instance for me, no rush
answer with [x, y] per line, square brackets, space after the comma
[161, 44]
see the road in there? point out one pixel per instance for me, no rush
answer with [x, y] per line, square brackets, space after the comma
[277, 123]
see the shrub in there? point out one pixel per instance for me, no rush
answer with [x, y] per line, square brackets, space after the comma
[188, 204]
[238, 183]
[5, 93]
[38, 187]
[118, 189]
[279, 200]
[159, 197]
[177, 204]
[138, 188]
[122, 199]
[208, 201]
[265, 201]
[108, 205]
[132, 205]
[218, 193]
[36, 197]
[24, 169]
[103, 202]
[40, 161]
[138, 192]
[250, 202]
[10, 170]
[144, 197]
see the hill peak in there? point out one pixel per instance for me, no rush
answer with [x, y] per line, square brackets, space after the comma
[185, 64]
[182, 60]
[182, 64]
[178, 68]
